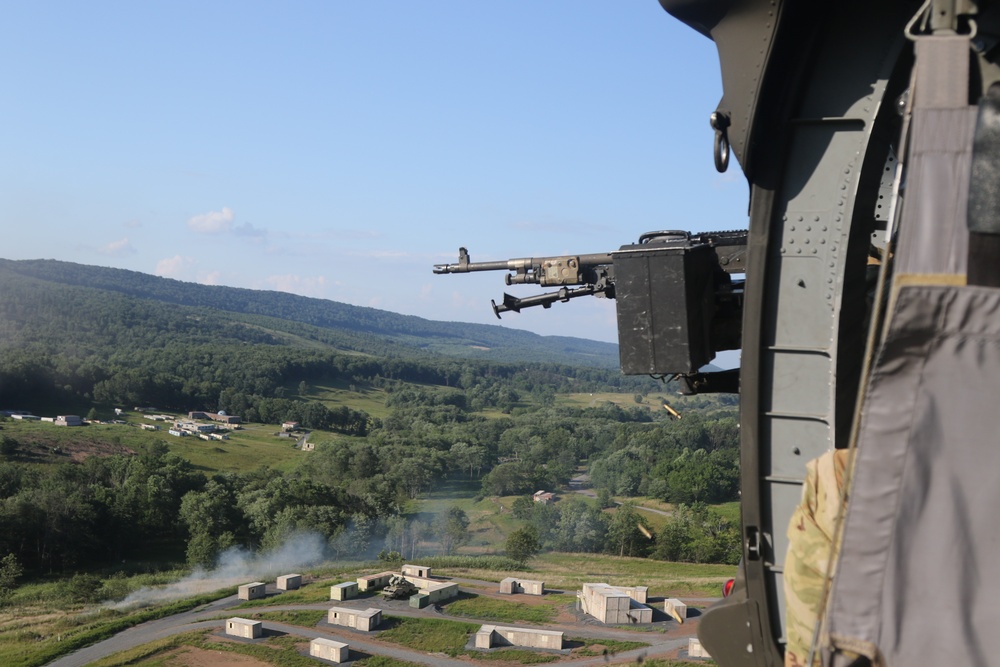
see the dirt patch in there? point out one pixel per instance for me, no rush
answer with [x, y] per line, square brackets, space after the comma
[76, 446]
[190, 656]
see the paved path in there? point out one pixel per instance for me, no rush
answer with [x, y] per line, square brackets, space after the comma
[195, 619]
[581, 484]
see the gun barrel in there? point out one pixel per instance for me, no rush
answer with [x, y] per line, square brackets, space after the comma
[466, 267]
[563, 270]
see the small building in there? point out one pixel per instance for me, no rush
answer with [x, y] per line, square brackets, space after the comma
[289, 582]
[177, 433]
[149, 427]
[363, 620]
[499, 635]
[327, 649]
[435, 591]
[637, 593]
[221, 417]
[430, 590]
[675, 608]
[510, 586]
[252, 591]
[420, 571]
[289, 426]
[610, 604]
[695, 649]
[245, 628]
[24, 417]
[373, 581]
[344, 591]
[543, 497]
[68, 420]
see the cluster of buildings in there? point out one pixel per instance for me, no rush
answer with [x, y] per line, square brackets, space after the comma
[218, 429]
[605, 603]
[61, 420]
[429, 589]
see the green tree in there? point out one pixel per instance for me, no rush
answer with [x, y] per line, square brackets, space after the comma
[522, 507]
[8, 446]
[453, 528]
[10, 570]
[522, 544]
[624, 534]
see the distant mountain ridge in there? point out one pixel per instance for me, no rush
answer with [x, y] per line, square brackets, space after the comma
[359, 325]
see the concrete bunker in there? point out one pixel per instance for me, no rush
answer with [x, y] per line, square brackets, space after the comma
[432, 591]
[344, 591]
[365, 620]
[373, 581]
[419, 571]
[245, 628]
[327, 649]
[489, 636]
[695, 649]
[510, 586]
[613, 605]
[289, 582]
[675, 608]
[252, 591]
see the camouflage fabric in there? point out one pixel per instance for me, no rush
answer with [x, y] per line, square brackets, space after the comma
[810, 548]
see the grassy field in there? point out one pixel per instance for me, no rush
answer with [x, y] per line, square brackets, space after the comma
[247, 449]
[38, 624]
[503, 611]
[562, 571]
[31, 637]
[433, 635]
[337, 393]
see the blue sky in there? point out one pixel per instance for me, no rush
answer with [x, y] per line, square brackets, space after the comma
[340, 149]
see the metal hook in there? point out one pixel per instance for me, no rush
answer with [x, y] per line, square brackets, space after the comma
[719, 121]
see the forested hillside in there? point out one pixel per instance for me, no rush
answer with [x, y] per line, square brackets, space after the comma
[72, 335]
[76, 339]
[337, 324]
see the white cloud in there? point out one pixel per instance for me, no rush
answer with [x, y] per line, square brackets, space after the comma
[213, 222]
[211, 278]
[117, 248]
[172, 266]
[302, 285]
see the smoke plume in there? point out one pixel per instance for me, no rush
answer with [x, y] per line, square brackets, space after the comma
[237, 566]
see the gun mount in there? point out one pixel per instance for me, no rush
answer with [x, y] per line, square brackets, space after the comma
[688, 277]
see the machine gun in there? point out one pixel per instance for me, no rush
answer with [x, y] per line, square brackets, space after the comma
[595, 272]
[687, 276]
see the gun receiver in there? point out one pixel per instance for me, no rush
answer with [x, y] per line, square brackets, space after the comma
[545, 271]
[672, 276]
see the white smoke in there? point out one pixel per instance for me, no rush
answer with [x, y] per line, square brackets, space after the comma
[236, 566]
